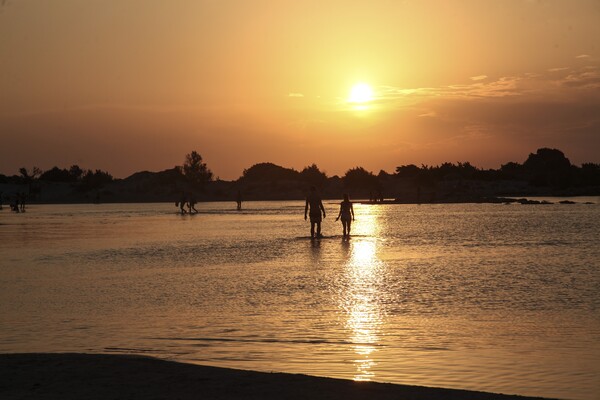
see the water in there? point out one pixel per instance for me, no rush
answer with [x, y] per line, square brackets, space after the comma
[500, 298]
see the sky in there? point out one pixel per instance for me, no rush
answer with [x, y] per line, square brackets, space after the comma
[133, 85]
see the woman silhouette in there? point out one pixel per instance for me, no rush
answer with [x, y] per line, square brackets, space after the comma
[346, 214]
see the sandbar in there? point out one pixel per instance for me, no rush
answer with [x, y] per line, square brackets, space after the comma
[107, 376]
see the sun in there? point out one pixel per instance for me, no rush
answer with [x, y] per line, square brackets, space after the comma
[360, 93]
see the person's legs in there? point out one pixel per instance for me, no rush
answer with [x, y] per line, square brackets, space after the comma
[349, 224]
[319, 229]
[312, 229]
[344, 225]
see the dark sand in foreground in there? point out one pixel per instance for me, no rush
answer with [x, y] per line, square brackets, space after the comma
[100, 376]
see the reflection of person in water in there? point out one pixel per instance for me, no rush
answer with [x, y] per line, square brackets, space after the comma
[346, 214]
[313, 201]
[238, 200]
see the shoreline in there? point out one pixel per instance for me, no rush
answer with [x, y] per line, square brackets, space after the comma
[518, 199]
[107, 376]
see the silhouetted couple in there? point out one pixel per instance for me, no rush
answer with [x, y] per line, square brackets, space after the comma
[189, 201]
[317, 213]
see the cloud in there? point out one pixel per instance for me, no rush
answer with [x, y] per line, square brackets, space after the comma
[587, 79]
[555, 84]
[502, 87]
[295, 95]
[557, 107]
[478, 77]
[583, 56]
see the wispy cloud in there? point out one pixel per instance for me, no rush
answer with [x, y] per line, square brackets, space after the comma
[583, 56]
[502, 87]
[295, 95]
[555, 83]
[588, 79]
[479, 77]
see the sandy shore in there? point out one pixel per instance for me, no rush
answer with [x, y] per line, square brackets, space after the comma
[100, 376]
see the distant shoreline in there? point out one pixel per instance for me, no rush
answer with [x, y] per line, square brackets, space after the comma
[483, 200]
[498, 200]
[106, 376]
[546, 173]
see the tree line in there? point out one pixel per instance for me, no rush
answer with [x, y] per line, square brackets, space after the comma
[544, 168]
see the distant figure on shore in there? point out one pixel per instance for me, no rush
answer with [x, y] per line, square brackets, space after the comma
[238, 199]
[15, 203]
[181, 203]
[313, 201]
[192, 204]
[0, 200]
[22, 198]
[346, 214]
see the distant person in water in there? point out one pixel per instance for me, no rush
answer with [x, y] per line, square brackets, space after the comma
[181, 203]
[22, 201]
[15, 203]
[238, 200]
[192, 204]
[313, 201]
[346, 214]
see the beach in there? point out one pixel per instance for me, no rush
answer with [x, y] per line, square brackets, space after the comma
[104, 376]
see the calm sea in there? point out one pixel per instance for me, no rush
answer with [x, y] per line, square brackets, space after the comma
[501, 298]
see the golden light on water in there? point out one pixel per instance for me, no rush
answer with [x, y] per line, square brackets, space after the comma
[363, 253]
[362, 300]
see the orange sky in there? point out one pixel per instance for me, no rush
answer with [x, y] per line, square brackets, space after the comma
[125, 85]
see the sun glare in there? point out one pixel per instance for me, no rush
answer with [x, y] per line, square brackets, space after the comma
[360, 93]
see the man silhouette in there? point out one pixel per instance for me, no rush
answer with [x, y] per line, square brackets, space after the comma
[313, 201]
[238, 200]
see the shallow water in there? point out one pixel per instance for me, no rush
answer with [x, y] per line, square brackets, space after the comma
[501, 298]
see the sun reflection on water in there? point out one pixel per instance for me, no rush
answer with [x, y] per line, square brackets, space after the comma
[361, 301]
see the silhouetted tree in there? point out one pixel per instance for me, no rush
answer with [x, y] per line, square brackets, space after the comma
[360, 180]
[95, 179]
[590, 174]
[269, 172]
[548, 167]
[76, 172]
[407, 171]
[56, 174]
[466, 170]
[545, 159]
[313, 176]
[511, 170]
[195, 170]
[383, 174]
[27, 176]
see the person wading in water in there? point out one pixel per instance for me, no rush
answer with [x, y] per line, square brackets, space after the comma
[314, 203]
[346, 214]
